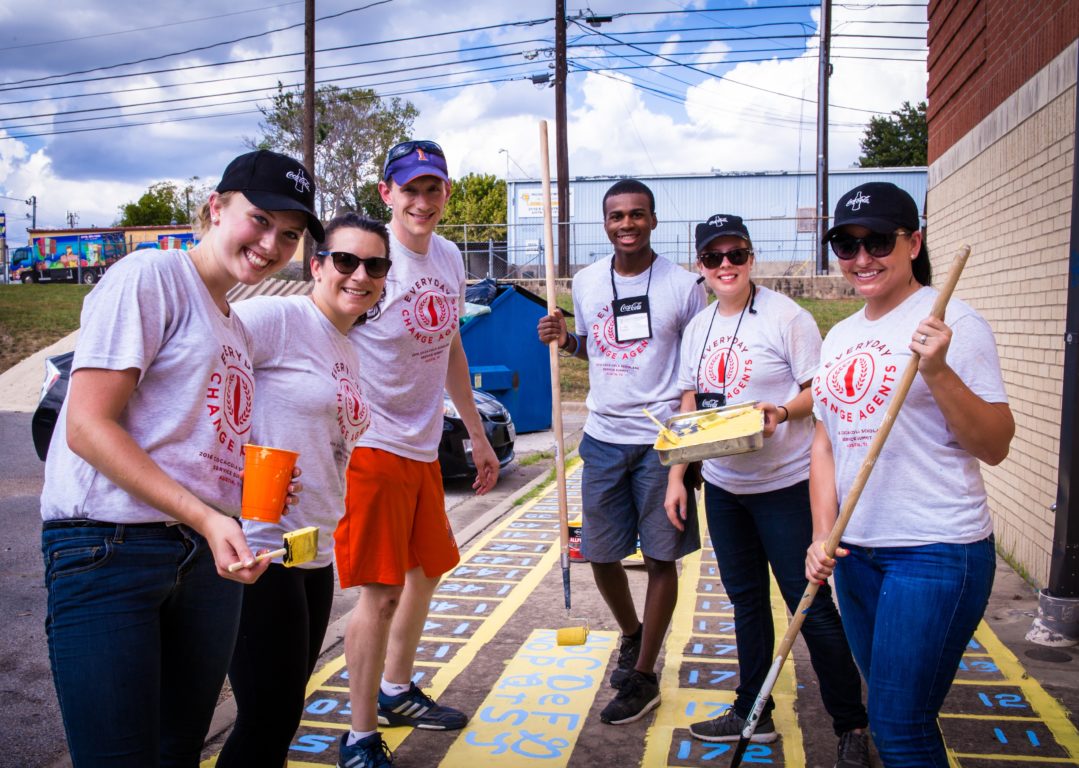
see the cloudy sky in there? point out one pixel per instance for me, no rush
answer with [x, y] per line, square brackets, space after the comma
[98, 100]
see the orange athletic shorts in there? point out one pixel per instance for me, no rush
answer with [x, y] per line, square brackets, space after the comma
[395, 519]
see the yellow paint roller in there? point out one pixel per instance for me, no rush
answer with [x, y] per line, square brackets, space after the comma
[301, 546]
[572, 635]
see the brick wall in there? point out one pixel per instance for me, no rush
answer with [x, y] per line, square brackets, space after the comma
[982, 51]
[1005, 188]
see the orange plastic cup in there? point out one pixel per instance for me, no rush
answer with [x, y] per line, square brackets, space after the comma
[267, 474]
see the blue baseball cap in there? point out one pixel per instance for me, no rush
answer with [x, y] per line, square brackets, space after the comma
[411, 159]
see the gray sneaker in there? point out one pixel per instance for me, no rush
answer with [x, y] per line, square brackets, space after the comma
[728, 727]
[853, 750]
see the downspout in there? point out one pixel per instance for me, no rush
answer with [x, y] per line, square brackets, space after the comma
[1058, 604]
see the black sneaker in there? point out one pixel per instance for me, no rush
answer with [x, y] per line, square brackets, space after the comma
[365, 753]
[853, 750]
[728, 727]
[628, 651]
[636, 698]
[417, 709]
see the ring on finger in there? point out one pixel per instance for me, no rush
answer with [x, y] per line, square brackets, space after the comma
[924, 339]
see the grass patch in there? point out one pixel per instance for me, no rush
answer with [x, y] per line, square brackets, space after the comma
[535, 458]
[35, 316]
[828, 312]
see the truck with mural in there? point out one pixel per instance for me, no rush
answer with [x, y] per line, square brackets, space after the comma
[74, 258]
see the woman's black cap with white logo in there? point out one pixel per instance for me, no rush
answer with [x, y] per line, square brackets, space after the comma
[274, 182]
[879, 206]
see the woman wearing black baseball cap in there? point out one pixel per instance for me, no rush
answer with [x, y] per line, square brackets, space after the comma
[916, 562]
[142, 482]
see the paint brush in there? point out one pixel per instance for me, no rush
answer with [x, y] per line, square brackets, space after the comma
[664, 430]
[301, 546]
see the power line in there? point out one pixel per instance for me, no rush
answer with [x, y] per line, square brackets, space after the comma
[197, 49]
[170, 25]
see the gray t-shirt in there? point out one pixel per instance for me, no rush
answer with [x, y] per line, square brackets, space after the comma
[310, 401]
[925, 487]
[775, 350]
[624, 378]
[406, 351]
[191, 409]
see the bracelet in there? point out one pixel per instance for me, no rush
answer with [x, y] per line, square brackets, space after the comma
[786, 414]
[576, 346]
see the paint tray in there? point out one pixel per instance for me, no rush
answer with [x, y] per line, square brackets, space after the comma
[711, 433]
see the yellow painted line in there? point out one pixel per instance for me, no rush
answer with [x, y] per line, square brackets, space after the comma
[538, 707]
[440, 639]
[992, 718]
[726, 636]
[481, 581]
[724, 614]
[732, 660]
[1020, 759]
[447, 597]
[994, 683]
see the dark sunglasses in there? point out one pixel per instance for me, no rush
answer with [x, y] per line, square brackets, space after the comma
[876, 244]
[408, 147]
[713, 259]
[346, 263]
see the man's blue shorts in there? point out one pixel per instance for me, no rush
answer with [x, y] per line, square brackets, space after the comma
[622, 491]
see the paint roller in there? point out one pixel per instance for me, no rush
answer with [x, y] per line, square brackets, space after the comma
[300, 546]
[566, 635]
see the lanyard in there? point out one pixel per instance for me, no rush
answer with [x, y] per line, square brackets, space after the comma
[648, 285]
[749, 302]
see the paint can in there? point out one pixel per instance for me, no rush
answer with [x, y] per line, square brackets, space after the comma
[575, 542]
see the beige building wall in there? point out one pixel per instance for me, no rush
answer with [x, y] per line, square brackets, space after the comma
[1006, 189]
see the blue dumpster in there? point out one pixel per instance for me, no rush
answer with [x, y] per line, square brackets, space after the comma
[506, 359]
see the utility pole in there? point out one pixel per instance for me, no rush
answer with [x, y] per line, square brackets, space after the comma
[32, 202]
[72, 219]
[561, 141]
[823, 72]
[309, 116]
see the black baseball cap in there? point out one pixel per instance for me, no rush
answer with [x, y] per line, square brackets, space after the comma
[879, 206]
[718, 226]
[274, 182]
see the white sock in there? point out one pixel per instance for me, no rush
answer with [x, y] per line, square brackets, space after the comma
[393, 689]
[354, 736]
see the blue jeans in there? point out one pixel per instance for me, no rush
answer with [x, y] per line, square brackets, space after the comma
[909, 613]
[750, 532]
[141, 629]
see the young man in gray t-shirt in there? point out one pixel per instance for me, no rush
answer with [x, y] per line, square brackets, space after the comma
[630, 311]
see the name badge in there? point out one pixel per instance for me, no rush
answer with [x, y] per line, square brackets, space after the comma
[710, 400]
[632, 320]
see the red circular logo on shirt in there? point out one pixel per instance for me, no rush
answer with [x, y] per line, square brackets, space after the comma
[720, 369]
[239, 391]
[354, 408]
[432, 311]
[849, 379]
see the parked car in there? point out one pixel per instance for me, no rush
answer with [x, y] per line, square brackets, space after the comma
[454, 450]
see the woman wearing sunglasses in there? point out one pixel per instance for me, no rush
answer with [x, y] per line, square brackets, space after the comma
[753, 345]
[307, 376]
[916, 562]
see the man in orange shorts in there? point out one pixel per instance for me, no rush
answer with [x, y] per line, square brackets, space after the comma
[395, 539]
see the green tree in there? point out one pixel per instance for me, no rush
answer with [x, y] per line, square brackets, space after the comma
[163, 203]
[480, 202]
[354, 129]
[902, 139]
